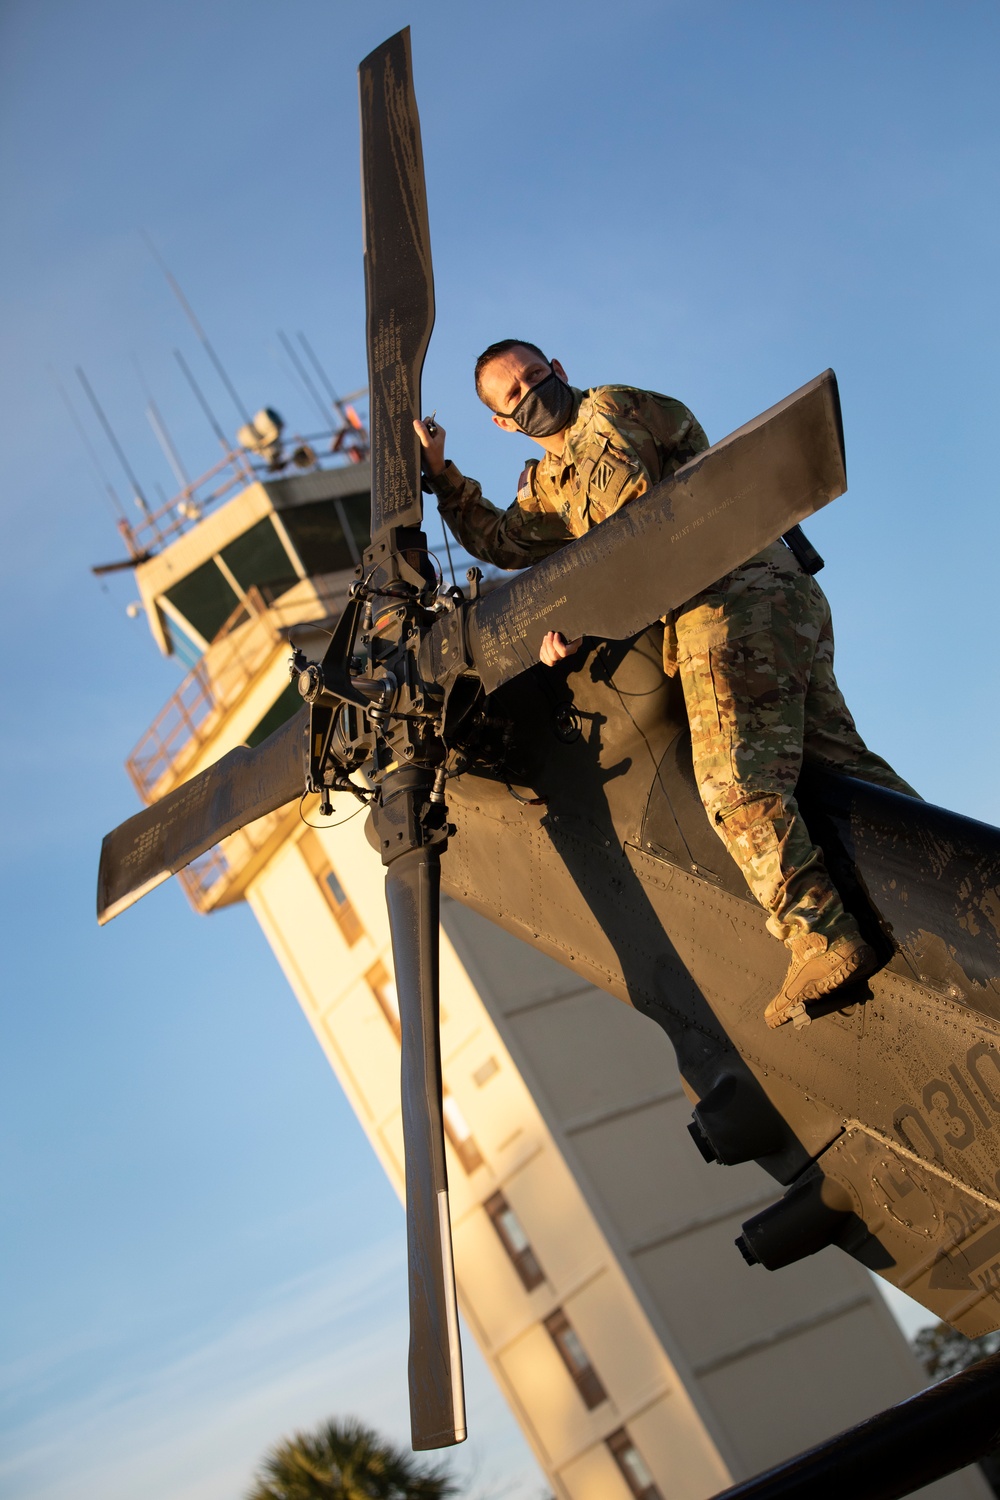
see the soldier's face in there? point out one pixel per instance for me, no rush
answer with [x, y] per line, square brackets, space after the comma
[508, 379]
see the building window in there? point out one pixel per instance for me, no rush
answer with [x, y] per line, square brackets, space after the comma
[459, 1132]
[319, 863]
[633, 1466]
[576, 1359]
[384, 990]
[514, 1240]
[483, 1074]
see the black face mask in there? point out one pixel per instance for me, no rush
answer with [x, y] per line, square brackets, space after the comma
[545, 409]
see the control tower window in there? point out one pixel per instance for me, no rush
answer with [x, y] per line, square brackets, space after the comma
[187, 651]
[258, 557]
[317, 535]
[634, 1471]
[575, 1358]
[205, 598]
[514, 1240]
[359, 515]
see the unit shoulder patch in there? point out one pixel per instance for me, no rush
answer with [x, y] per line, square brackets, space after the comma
[604, 472]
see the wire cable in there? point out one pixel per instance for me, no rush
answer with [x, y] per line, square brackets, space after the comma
[321, 827]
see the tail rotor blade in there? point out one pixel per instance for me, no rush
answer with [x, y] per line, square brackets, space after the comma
[437, 1403]
[244, 785]
[683, 534]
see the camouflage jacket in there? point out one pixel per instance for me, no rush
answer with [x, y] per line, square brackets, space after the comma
[620, 442]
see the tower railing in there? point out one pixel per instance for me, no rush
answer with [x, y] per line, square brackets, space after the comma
[211, 688]
[238, 467]
[210, 880]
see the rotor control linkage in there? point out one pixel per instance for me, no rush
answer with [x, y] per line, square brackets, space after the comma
[373, 694]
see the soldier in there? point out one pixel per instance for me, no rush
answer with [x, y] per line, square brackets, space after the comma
[754, 651]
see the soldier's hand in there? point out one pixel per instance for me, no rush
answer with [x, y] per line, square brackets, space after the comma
[432, 436]
[555, 647]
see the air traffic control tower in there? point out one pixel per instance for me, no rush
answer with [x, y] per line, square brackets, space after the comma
[594, 1247]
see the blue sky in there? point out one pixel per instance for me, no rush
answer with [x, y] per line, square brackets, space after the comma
[714, 199]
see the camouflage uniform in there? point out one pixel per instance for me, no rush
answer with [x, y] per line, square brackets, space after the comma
[754, 651]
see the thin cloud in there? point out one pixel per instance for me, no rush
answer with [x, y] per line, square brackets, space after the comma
[193, 1424]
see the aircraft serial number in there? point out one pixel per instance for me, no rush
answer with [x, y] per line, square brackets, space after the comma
[954, 1109]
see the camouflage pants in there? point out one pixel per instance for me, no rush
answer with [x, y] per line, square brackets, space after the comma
[755, 656]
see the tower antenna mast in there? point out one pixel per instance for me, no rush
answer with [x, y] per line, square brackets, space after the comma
[160, 432]
[91, 451]
[202, 402]
[174, 285]
[303, 374]
[137, 491]
[337, 402]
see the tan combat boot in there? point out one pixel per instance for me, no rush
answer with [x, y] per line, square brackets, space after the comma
[819, 967]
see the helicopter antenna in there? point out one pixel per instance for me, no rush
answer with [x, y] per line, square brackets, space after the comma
[140, 498]
[91, 451]
[174, 285]
[304, 375]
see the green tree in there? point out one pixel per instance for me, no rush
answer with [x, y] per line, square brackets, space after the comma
[943, 1351]
[345, 1460]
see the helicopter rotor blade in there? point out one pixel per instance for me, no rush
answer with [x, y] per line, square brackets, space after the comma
[244, 785]
[399, 280]
[399, 292]
[661, 549]
[437, 1406]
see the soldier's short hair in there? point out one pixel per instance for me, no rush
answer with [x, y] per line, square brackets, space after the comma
[494, 351]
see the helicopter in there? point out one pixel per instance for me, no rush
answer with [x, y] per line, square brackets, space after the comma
[561, 804]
